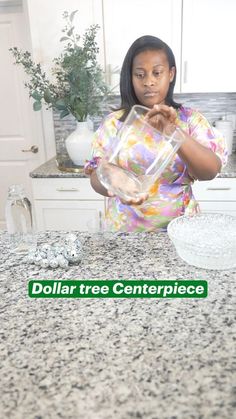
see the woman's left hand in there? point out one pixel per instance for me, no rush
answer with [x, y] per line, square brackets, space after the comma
[132, 201]
[162, 117]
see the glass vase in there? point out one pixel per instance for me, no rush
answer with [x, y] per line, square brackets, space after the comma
[137, 156]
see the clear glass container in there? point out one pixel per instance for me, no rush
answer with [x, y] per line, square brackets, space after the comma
[19, 220]
[206, 240]
[137, 156]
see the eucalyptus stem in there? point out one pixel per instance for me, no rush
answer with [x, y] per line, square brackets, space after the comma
[79, 87]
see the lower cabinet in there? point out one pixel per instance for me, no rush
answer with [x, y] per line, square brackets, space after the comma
[71, 203]
[67, 204]
[217, 195]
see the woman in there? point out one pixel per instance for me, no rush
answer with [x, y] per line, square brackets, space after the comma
[148, 77]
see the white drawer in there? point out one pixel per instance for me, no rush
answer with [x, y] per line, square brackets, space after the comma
[219, 189]
[64, 189]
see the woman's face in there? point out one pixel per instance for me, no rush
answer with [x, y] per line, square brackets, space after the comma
[151, 77]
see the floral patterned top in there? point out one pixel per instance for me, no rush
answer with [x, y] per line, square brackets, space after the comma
[171, 196]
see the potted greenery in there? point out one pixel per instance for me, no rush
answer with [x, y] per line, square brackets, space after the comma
[77, 88]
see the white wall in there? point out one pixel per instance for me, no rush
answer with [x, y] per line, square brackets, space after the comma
[46, 23]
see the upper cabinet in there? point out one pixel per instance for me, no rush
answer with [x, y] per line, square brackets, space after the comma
[201, 33]
[208, 46]
[127, 20]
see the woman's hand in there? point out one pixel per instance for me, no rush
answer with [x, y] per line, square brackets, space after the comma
[202, 162]
[162, 117]
[117, 181]
[132, 201]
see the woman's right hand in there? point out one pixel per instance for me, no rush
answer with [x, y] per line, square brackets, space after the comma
[163, 118]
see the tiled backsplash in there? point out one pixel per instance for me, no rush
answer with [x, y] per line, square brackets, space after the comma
[212, 105]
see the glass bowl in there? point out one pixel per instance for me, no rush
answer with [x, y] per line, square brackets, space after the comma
[206, 240]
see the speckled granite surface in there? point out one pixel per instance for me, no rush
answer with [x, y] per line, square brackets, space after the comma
[116, 359]
[49, 169]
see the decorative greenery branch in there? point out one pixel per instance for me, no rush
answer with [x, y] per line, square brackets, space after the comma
[79, 88]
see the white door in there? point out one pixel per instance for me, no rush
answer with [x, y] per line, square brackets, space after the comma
[20, 126]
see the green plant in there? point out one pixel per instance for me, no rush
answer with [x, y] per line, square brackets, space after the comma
[79, 88]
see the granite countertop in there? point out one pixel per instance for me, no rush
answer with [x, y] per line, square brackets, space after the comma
[50, 170]
[116, 358]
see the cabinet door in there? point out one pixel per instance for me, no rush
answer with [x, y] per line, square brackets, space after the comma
[216, 206]
[68, 215]
[208, 45]
[126, 20]
[217, 195]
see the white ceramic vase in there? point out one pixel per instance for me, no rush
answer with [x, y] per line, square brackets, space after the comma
[78, 143]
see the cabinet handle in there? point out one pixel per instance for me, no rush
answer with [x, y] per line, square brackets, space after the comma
[67, 190]
[185, 71]
[218, 189]
[108, 74]
[100, 220]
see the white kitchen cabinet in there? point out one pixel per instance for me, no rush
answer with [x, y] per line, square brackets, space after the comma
[71, 204]
[126, 20]
[201, 34]
[66, 204]
[208, 42]
[217, 195]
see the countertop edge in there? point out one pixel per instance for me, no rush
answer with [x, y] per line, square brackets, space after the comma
[49, 169]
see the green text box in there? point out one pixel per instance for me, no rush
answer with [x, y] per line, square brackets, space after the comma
[117, 288]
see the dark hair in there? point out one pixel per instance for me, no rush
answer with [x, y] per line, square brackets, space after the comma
[128, 97]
